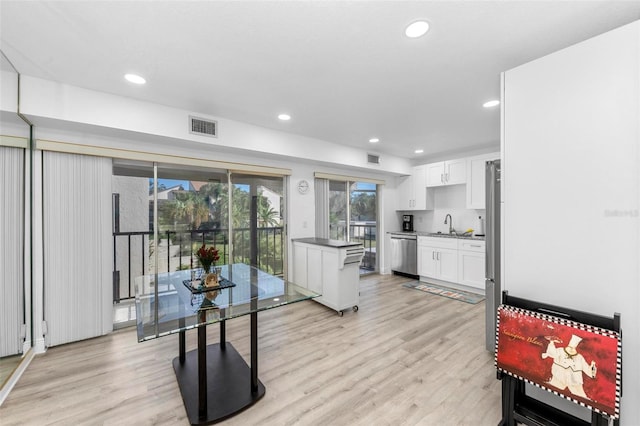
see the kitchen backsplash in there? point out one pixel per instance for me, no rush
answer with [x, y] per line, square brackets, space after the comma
[447, 200]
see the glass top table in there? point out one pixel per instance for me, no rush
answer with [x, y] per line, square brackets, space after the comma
[168, 303]
[176, 307]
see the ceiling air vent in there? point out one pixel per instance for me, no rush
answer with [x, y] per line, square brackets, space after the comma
[200, 126]
[373, 159]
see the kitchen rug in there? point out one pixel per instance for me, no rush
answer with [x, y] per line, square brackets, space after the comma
[451, 293]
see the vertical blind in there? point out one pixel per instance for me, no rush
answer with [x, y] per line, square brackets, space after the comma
[322, 207]
[11, 250]
[77, 246]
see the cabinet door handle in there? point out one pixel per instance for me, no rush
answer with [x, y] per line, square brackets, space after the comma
[474, 245]
[433, 255]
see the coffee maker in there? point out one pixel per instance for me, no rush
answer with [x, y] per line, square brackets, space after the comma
[407, 222]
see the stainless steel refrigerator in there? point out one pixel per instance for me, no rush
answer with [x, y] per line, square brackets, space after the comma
[492, 281]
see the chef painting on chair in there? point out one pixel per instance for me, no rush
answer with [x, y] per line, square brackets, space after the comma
[568, 366]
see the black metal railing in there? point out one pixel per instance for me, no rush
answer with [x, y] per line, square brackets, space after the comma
[366, 234]
[180, 246]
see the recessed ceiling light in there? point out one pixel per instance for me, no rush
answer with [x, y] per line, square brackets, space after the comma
[284, 117]
[491, 103]
[419, 151]
[374, 140]
[135, 79]
[417, 29]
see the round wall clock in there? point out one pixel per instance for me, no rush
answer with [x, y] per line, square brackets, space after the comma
[303, 186]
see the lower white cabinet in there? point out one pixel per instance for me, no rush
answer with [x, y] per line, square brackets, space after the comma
[471, 264]
[314, 269]
[438, 258]
[456, 260]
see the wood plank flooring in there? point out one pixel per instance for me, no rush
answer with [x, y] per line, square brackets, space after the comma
[405, 358]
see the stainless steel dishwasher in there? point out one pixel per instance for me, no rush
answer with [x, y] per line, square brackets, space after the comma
[404, 253]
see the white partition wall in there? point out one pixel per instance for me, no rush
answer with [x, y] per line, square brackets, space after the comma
[77, 247]
[11, 250]
[571, 186]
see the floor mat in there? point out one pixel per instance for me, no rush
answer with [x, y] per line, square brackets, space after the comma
[451, 293]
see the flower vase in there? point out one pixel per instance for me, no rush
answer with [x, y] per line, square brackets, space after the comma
[204, 271]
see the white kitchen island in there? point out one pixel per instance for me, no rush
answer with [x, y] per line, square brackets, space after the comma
[331, 268]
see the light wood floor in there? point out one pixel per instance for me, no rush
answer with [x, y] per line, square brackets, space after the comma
[406, 358]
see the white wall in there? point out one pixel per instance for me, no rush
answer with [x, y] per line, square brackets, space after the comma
[44, 101]
[8, 91]
[571, 186]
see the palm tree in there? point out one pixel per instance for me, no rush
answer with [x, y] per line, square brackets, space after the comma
[267, 215]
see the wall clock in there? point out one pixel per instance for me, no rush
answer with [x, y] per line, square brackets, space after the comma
[303, 186]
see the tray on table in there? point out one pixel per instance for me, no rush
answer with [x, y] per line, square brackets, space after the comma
[222, 284]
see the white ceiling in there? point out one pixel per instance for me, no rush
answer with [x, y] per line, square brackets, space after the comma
[343, 69]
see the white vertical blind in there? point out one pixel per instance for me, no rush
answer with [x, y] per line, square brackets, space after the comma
[322, 207]
[77, 247]
[11, 249]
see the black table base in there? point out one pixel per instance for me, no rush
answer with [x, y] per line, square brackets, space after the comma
[228, 384]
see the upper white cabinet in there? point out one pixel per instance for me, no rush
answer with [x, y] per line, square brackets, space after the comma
[447, 173]
[476, 179]
[412, 191]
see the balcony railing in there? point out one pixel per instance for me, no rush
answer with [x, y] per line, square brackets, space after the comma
[134, 253]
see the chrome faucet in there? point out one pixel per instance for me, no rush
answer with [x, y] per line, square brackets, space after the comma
[450, 223]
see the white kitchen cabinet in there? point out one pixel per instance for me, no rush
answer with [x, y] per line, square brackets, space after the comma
[427, 262]
[405, 193]
[471, 263]
[314, 269]
[451, 172]
[448, 261]
[476, 180]
[438, 258]
[435, 174]
[456, 171]
[412, 191]
[331, 268]
[455, 260]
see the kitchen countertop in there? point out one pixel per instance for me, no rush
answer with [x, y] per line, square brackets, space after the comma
[439, 235]
[326, 242]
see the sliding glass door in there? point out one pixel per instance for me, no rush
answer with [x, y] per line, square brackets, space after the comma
[353, 210]
[192, 210]
[257, 221]
[195, 206]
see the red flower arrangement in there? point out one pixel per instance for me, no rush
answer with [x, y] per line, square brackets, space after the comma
[207, 257]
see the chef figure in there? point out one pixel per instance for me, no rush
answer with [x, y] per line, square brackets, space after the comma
[568, 366]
